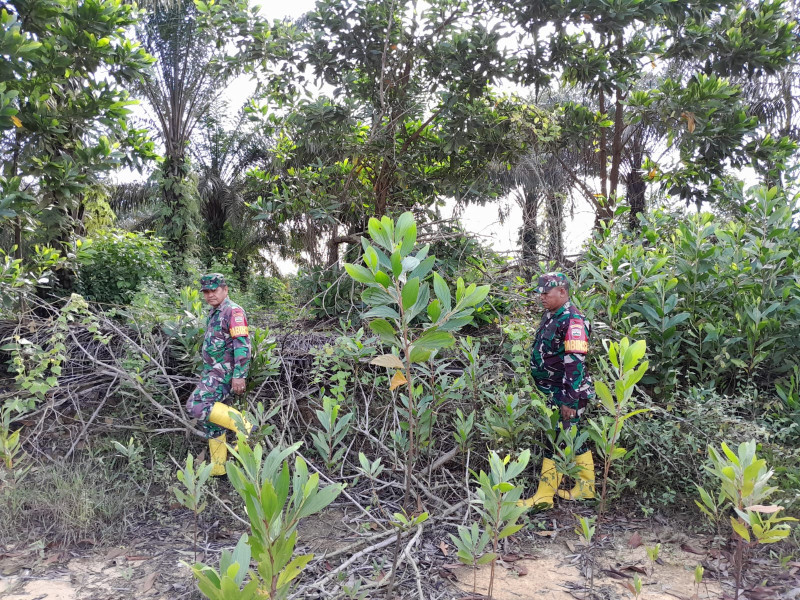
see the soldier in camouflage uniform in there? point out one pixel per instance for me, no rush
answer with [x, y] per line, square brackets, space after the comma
[226, 360]
[559, 371]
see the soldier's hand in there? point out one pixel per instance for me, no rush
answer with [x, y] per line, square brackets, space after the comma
[567, 412]
[237, 386]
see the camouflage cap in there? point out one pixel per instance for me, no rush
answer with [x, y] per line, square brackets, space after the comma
[551, 280]
[212, 281]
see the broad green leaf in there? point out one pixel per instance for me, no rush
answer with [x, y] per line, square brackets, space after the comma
[382, 327]
[359, 273]
[397, 264]
[433, 339]
[740, 529]
[410, 292]
[371, 258]
[381, 311]
[509, 530]
[374, 296]
[423, 268]
[634, 354]
[612, 355]
[455, 323]
[434, 310]
[409, 240]
[293, 569]
[476, 297]
[383, 279]
[379, 234]
[403, 224]
[442, 292]
[605, 396]
[421, 303]
[418, 355]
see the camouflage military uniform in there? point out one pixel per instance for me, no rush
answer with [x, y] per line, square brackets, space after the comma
[558, 357]
[226, 356]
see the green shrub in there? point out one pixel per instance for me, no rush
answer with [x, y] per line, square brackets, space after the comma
[717, 301]
[269, 292]
[112, 264]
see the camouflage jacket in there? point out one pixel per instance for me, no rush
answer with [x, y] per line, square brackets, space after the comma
[558, 358]
[226, 346]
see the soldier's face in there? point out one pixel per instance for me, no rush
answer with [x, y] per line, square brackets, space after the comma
[553, 298]
[215, 297]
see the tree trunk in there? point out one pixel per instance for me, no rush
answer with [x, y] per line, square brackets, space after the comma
[636, 192]
[555, 226]
[603, 151]
[616, 150]
[530, 230]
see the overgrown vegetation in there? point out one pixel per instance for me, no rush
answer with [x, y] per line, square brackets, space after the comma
[398, 354]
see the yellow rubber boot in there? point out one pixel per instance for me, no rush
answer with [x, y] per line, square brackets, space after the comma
[221, 415]
[549, 481]
[218, 451]
[584, 486]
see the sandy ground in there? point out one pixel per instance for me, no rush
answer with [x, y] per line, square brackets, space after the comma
[545, 565]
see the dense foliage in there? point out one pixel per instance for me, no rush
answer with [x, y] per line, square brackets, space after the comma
[399, 351]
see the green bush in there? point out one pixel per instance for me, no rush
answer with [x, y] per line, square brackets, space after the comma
[717, 301]
[270, 292]
[112, 264]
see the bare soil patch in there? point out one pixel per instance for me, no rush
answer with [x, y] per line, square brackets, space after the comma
[545, 561]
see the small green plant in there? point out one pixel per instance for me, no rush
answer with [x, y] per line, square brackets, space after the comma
[403, 315]
[402, 522]
[276, 501]
[497, 501]
[585, 531]
[744, 486]
[471, 545]
[371, 470]
[12, 458]
[635, 587]
[476, 370]
[328, 442]
[133, 452]
[606, 432]
[652, 554]
[194, 481]
[505, 422]
[563, 442]
[789, 393]
[698, 580]
[354, 592]
[463, 429]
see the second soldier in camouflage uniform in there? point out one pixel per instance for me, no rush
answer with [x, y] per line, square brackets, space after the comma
[226, 361]
[559, 371]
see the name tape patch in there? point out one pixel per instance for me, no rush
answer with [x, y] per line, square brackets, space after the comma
[576, 341]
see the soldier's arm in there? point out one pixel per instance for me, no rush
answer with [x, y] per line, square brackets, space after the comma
[576, 345]
[240, 336]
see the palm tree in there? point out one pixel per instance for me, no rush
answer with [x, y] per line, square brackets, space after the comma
[184, 84]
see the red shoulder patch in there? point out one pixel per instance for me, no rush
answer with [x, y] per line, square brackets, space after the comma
[575, 341]
[238, 325]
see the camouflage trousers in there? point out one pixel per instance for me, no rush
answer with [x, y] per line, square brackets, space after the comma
[210, 390]
[555, 403]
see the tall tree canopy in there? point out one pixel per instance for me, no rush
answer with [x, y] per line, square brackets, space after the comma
[657, 64]
[411, 118]
[64, 109]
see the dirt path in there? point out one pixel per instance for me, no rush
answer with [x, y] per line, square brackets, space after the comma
[545, 564]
